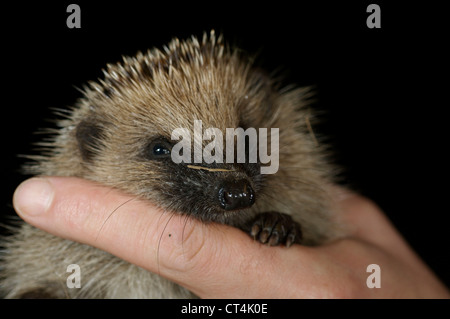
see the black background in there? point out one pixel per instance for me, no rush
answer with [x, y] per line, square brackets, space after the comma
[378, 89]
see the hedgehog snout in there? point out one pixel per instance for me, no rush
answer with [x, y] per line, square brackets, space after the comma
[236, 194]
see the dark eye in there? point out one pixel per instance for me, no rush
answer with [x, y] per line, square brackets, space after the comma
[158, 149]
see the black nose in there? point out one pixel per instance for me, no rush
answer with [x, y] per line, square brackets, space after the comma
[236, 195]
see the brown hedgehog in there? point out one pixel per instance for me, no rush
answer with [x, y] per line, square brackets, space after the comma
[119, 134]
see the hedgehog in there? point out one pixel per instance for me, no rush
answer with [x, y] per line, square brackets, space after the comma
[119, 134]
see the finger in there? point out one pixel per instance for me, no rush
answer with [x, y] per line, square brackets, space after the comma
[210, 260]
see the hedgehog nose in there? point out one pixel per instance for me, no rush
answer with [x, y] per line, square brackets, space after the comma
[236, 195]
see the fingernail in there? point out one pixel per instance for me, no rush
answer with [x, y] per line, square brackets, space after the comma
[33, 197]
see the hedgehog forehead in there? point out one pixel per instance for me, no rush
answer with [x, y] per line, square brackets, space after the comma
[166, 117]
[146, 117]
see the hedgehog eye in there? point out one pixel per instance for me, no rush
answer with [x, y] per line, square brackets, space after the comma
[158, 149]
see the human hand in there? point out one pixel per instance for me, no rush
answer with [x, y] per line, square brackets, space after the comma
[218, 261]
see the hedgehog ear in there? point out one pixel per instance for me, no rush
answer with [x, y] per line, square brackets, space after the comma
[88, 134]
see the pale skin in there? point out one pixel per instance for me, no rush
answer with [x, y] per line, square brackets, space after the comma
[217, 261]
